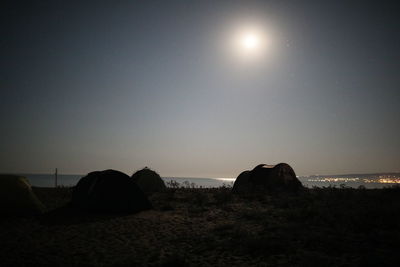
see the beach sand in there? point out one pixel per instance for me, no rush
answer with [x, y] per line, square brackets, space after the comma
[212, 227]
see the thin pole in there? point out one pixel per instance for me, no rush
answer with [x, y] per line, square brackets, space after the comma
[56, 177]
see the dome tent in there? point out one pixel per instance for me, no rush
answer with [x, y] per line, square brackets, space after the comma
[17, 197]
[280, 177]
[148, 180]
[242, 183]
[109, 191]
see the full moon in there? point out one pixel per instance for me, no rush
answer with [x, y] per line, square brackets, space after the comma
[250, 41]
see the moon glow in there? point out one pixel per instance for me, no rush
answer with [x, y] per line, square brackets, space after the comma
[250, 41]
[249, 44]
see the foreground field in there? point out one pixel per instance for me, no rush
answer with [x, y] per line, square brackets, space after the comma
[212, 227]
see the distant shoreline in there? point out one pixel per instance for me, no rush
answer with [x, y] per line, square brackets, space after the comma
[369, 181]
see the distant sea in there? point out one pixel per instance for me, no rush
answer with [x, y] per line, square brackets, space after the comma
[376, 180]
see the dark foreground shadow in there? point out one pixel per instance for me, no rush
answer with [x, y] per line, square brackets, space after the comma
[69, 215]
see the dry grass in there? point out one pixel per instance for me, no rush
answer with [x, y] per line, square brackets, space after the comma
[212, 227]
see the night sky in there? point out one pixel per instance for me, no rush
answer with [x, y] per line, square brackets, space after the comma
[128, 84]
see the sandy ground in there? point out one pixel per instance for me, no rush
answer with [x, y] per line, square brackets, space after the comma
[193, 227]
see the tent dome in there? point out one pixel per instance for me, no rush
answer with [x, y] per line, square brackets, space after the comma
[17, 197]
[109, 191]
[268, 178]
[242, 183]
[148, 180]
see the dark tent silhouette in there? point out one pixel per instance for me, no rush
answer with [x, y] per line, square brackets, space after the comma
[109, 191]
[17, 197]
[280, 177]
[148, 180]
[242, 183]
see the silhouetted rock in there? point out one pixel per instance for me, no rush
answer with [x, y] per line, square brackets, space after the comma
[109, 191]
[280, 177]
[17, 197]
[149, 181]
